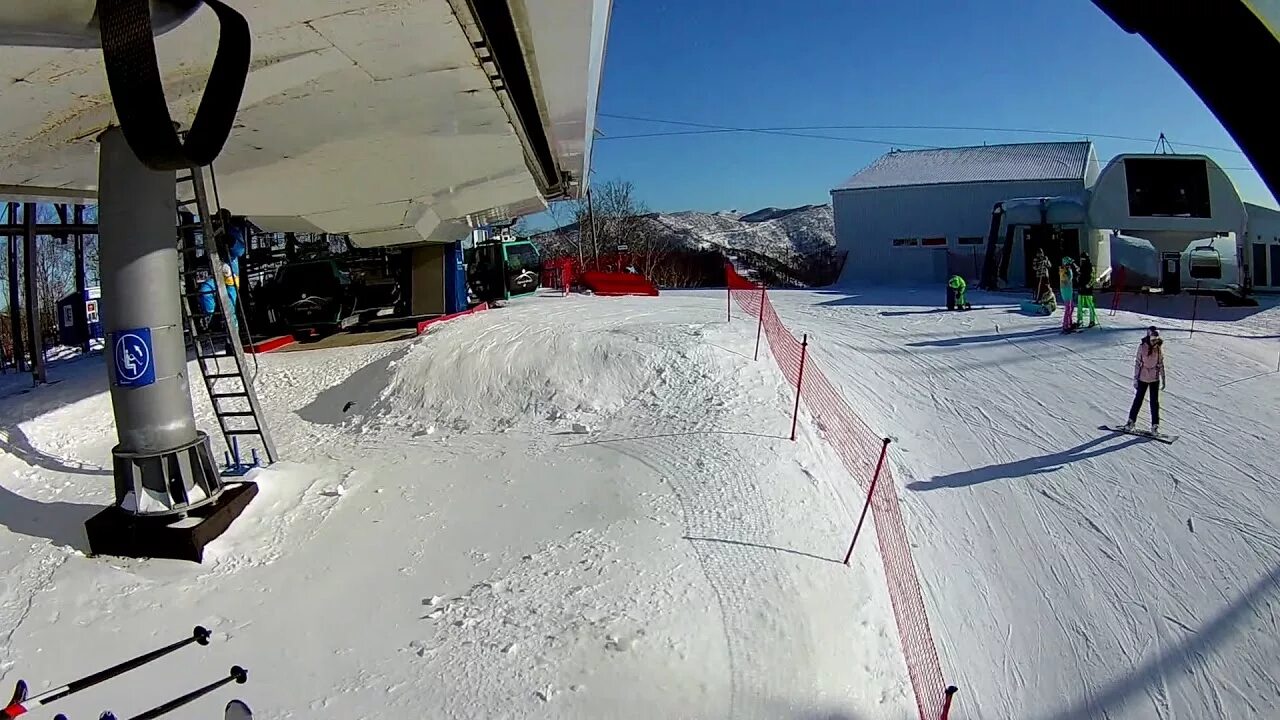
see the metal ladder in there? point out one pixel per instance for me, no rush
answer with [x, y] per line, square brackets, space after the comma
[215, 339]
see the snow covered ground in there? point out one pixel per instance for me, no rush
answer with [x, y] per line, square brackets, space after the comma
[585, 507]
[1069, 572]
[570, 507]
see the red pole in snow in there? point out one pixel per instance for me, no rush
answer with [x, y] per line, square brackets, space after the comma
[1117, 280]
[1195, 307]
[884, 450]
[761, 325]
[946, 704]
[795, 414]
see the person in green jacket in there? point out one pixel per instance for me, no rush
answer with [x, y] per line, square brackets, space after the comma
[956, 299]
[1084, 292]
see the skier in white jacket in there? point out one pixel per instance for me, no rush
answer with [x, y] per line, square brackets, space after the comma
[1148, 378]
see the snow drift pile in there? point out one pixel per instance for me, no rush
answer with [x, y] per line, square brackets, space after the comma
[544, 375]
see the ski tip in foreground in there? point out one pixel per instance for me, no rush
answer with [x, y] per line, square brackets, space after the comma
[237, 710]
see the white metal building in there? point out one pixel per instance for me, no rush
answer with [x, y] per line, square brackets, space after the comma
[916, 216]
[1263, 255]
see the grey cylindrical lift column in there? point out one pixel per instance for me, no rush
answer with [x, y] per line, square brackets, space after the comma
[162, 460]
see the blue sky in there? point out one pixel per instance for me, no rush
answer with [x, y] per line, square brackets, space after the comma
[781, 63]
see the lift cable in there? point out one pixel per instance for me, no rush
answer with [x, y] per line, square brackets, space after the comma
[709, 129]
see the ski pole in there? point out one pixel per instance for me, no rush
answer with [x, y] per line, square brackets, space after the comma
[20, 702]
[237, 674]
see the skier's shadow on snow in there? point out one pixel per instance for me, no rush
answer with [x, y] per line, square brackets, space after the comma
[62, 523]
[1028, 466]
[904, 313]
[977, 339]
[14, 442]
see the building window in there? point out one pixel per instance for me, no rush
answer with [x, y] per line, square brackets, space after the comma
[934, 242]
[906, 242]
[971, 241]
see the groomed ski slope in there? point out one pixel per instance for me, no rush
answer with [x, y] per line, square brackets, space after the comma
[582, 507]
[1070, 572]
[567, 508]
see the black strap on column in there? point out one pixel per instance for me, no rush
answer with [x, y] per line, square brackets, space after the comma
[137, 91]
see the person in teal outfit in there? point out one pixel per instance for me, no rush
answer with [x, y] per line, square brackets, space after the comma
[1067, 279]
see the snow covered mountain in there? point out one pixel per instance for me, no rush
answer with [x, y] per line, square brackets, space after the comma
[790, 245]
[781, 234]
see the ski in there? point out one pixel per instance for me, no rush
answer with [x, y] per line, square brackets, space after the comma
[1166, 439]
[199, 635]
[237, 710]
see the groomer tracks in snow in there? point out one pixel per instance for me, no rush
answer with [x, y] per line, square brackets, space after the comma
[1072, 573]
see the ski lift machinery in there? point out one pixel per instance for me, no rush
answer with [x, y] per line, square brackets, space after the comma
[1205, 262]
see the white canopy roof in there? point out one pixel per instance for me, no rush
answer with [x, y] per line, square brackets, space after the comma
[371, 118]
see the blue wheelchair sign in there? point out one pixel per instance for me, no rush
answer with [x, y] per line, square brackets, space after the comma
[134, 362]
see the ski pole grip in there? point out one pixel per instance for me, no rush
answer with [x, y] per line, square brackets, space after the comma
[201, 634]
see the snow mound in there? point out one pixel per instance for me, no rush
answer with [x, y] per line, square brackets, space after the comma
[521, 367]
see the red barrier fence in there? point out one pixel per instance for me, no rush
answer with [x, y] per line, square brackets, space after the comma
[617, 283]
[422, 326]
[860, 451]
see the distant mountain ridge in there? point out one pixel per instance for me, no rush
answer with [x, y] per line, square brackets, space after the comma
[788, 236]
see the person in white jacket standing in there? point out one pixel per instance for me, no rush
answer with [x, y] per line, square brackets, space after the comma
[1148, 378]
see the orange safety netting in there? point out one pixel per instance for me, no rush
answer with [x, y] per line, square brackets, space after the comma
[859, 449]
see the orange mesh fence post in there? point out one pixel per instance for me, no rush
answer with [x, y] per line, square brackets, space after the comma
[1195, 308]
[760, 327]
[884, 451]
[795, 414]
[946, 704]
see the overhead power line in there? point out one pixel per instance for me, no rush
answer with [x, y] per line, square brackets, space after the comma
[804, 130]
[708, 129]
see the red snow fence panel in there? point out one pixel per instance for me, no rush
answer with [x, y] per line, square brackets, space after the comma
[861, 451]
[275, 343]
[618, 283]
[559, 272]
[422, 326]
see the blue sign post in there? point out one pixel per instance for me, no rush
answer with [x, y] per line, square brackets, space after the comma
[134, 361]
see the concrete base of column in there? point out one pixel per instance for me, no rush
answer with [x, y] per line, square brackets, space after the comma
[115, 531]
[168, 504]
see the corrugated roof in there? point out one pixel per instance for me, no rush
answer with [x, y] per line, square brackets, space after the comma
[985, 163]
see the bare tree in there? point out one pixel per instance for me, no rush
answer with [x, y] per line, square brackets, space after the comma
[611, 221]
[565, 240]
[55, 273]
